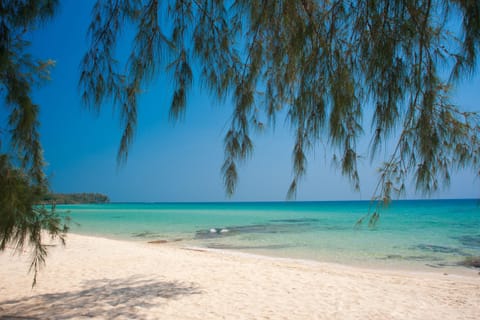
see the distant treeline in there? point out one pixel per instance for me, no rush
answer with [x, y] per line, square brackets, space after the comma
[75, 198]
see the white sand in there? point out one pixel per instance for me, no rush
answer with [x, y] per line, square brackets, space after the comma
[106, 279]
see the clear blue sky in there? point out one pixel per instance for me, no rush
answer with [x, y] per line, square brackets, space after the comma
[182, 161]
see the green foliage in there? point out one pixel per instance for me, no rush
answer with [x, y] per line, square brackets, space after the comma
[75, 198]
[323, 62]
[22, 220]
[22, 180]
[19, 72]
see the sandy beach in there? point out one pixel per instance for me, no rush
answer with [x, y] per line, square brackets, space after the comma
[108, 279]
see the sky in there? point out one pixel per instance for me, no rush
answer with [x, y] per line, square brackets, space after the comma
[178, 161]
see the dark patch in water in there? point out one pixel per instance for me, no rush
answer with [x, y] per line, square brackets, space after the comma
[470, 241]
[411, 258]
[146, 234]
[228, 231]
[206, 234]
[296, 221]
[440, 249]
[423, 258]
[392, 256]
[276, 226]
[240, 247]
[307, 222]
[336, 228]
[235, 230]
[256, 228]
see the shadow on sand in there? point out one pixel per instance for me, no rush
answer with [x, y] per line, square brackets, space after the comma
[104, 299]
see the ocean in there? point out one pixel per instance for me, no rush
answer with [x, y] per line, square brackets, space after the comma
[416, 234]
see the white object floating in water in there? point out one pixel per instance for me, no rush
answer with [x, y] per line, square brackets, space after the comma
[213, 230]
[224, 231]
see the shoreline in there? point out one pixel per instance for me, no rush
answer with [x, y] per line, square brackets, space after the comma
[370, 265]
[94, 277]
[414, 269]
[419, 269]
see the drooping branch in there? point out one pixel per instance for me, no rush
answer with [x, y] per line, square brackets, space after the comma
[326, 63]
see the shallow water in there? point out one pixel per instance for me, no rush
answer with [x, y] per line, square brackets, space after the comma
[426, 233]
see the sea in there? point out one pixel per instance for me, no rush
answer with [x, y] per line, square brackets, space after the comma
[409, 234]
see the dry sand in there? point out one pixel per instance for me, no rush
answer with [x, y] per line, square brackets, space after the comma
[107, 279]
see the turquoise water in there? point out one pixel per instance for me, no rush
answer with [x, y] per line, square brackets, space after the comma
[430, 234]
